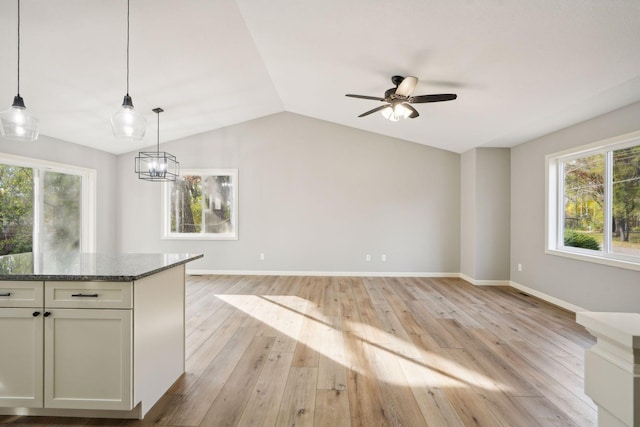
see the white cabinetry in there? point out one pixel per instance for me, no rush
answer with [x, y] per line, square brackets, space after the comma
[86, 352]
[21, 344]
[90, 348]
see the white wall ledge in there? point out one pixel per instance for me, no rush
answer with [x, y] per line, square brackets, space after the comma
[612, 367]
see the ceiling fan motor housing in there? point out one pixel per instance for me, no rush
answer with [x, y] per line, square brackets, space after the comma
[396, 80]
[389, 93]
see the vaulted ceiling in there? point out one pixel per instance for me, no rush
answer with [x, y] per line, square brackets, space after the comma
[520, 69]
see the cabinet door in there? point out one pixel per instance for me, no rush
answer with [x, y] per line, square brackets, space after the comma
[88, 359]
[21, 357]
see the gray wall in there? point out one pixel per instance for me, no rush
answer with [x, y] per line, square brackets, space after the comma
[314, 196]
[493, 213]
[468, 213]
[485, 214]
[591, 286]
[55, 150]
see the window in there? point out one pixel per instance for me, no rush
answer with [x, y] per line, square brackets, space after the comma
[594, 202]
[201, 204]
[45, 206]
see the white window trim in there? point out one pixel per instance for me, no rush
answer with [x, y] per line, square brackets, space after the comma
[88, 202]
[554, 244]
[165, 223]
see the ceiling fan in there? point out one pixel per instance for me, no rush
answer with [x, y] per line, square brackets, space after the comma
[398, 99]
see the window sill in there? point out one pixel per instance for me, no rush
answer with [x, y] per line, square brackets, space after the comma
[200, 237]
[611, 262]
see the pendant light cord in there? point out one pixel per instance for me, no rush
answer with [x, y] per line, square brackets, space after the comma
[127, 47]
[18, 47]
[158, 110]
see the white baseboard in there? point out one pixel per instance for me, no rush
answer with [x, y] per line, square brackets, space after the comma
[319, 273]
[484, 282]
[548, 298]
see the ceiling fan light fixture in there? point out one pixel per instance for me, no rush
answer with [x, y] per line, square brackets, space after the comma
[396, 112]
[16, 123]
[399, 99]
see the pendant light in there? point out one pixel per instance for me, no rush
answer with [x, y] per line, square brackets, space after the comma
[127, 123]
[16, 123]
[157, 165]
[396, 112]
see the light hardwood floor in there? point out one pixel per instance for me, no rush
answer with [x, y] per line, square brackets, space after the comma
[344, 351]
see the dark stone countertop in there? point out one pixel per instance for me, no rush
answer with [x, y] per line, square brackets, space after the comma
[115, 267]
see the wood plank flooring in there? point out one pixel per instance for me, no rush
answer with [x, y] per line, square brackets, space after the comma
[344, 351]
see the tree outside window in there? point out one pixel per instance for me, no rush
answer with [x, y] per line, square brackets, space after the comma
[625, 228]
[202, 204]
[44, 207]
[595, 209]
[584, 202]
[16, 209]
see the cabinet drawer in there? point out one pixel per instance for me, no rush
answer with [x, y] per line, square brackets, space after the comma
[21, 294]
[88, 295]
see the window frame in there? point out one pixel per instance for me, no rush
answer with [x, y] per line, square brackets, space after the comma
[165, 222]
[554, 188]
[88, 196]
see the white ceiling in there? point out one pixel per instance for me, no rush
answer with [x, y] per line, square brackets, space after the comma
[521, 68]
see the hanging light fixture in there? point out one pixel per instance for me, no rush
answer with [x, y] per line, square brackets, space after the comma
[396, 112]
[127, 123]
[16, 123]
[157, 165]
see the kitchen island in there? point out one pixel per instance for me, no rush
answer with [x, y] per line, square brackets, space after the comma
[90, 335]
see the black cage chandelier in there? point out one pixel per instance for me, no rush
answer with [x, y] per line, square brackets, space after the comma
[157, 165]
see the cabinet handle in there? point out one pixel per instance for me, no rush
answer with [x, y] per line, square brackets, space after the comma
[36, 313]
[85, 295]
[47, 314]
[6, 294]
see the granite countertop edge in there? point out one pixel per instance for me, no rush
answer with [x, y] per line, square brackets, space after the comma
[99, 277]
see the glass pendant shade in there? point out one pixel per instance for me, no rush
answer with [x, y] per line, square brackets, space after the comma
[395, 113]
[17, 124]
[127, 123]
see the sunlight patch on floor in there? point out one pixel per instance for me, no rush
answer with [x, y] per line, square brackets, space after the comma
[391, 358]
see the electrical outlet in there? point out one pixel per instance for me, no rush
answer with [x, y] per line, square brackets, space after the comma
[383, 258]
[368, 257]
[261, 257]
[519, 267]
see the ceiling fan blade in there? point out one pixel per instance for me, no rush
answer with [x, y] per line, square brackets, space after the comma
[414, 112]
[433, 98]
[407, 86]
[375, 98]
[382, 107]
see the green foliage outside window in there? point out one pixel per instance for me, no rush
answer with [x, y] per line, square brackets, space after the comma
[16, 209]
[580, 240]
[626, 193]
[201, 204]
[584, 201]
[58, 214]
